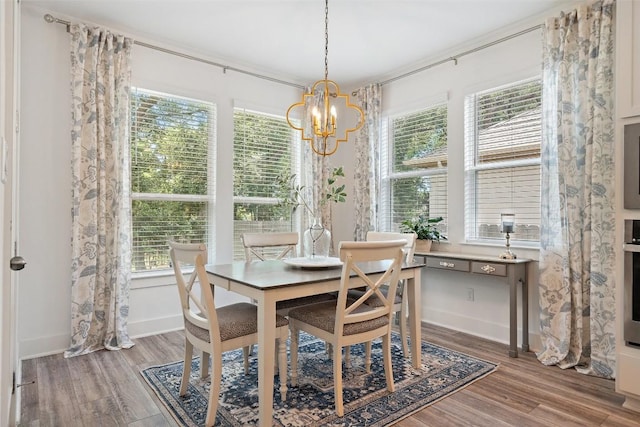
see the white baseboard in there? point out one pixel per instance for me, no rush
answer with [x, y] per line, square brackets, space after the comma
[477, 327]
[45, 346]
[144, 328]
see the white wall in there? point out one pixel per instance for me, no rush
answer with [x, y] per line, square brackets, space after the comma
[45, 176]
[445, 293]
[44, 298]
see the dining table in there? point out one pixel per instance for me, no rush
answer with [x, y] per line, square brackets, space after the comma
[266, 282]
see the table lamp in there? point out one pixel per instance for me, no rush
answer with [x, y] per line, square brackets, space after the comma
[508, 222]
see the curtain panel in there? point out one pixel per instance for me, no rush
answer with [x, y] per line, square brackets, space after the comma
[101, 253]
[577, 285]
[366, 174]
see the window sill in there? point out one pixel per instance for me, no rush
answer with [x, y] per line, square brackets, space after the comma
[152, 279]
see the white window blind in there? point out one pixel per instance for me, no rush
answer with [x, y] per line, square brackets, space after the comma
[415, 176]
[171, 174]
[502, 160]
[264, 147]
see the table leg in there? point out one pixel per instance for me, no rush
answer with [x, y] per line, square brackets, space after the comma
[204, 364]
[525, 310]
[513, 312]
[413, 288]
[266, 351]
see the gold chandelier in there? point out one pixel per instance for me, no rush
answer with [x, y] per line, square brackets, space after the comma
[322, 130]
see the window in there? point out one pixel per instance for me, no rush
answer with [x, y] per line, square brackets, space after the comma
[171, 174]
[502, 161]
[264, 146]
[415, 179]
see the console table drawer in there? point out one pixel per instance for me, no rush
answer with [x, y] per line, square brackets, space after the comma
[448, 264]
[489, 268]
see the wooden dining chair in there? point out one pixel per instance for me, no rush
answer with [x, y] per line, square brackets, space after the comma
[279, 245]
[346, 321]
[263, 246]
[214, 330]
[400, 303]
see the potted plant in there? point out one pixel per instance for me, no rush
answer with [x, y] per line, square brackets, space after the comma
[425, 229]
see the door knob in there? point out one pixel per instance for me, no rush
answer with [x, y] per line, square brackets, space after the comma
[17, 263]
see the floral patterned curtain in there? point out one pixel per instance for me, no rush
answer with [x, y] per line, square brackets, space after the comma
[101, 253]
[577, 286]
[366, 173]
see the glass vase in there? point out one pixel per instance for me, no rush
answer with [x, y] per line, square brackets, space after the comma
[316, 240]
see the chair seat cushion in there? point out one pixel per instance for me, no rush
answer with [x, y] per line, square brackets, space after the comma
[373, 300]
[235, 320]
[323, 316]
[311, 299]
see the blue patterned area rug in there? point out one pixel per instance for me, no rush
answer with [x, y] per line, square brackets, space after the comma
[366, 399]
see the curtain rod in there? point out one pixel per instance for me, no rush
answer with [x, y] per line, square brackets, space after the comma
[455, 58]
[51, 19]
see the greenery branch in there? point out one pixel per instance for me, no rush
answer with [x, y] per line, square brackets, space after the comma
[294, 195]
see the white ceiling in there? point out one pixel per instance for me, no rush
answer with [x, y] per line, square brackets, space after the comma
[369, 40]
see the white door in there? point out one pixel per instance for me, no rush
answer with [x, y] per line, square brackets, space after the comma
[9, 26]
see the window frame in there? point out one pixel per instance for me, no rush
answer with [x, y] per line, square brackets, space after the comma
[472, 167]
[388, 176]
[295, 167]
[209, 198]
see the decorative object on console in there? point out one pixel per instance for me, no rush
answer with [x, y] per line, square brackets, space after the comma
[322, 121]
[426, 230]
[508, 224]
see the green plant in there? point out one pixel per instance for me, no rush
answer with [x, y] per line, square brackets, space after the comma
[293, 195]
[424, 227]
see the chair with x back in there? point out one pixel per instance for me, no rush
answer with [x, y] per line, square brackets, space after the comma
[264, 246]
[400, 304]
[346, 321]
[216, 330]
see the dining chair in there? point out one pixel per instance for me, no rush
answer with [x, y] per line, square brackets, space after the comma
[346, 321]
[215, 330]
[278, 245]
[400, 303]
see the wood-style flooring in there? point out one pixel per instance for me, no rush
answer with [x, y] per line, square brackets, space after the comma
[106, 389]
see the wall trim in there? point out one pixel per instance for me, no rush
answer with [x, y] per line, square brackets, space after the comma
[56, 344]
[488, 330]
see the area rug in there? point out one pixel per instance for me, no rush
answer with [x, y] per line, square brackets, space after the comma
[366, 399]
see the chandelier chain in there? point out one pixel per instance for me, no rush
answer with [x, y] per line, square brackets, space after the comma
[326, 39]
[321, 118]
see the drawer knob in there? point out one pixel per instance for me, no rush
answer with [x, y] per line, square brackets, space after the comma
[487, 268]
[447, 264]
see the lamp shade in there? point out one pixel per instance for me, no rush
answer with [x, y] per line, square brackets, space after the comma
[507, 222]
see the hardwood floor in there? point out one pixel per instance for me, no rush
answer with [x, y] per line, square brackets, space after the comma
[106, 389]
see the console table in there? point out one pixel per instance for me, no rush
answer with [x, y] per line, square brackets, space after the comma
[509, 271]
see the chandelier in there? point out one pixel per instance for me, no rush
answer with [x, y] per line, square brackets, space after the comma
[320, 124]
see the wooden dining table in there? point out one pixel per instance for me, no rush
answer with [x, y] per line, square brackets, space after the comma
[267, 282]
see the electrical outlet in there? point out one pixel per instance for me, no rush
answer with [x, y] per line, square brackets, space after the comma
[470, 295]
